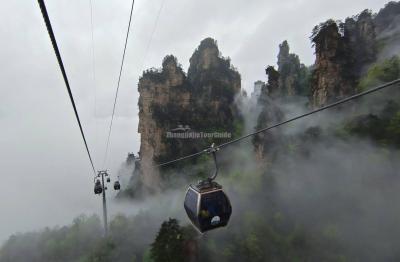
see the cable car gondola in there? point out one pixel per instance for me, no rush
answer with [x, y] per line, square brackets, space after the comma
[117, 185]
[98, 189]
[206, 204]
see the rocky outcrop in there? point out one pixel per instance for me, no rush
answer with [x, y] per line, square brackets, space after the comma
[204, 100]
[272, 89]
[387, 30]
[359, 32]
[333, 77]
[158, 89]
[289, 69]
[215, 84]
[291, 77]
[344, 52]
[290, 80]
[388, 19]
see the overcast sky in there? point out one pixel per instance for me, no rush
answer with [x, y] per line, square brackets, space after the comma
[45, 173]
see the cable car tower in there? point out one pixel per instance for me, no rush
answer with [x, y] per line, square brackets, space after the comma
[100, 188]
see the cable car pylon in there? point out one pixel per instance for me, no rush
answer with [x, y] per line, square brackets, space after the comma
[100, 184]
[100, 187]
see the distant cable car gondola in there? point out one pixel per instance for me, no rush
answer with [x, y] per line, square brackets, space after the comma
[98, 189]
[206, 204]
[117, 185]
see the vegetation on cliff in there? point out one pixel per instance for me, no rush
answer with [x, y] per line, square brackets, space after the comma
[385, 71]
[204, 101]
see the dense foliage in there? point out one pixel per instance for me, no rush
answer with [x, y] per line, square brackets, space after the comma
[382, 72]
[169, 243]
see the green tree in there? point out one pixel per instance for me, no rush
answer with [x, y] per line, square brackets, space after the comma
[169, 243]
[385, 71]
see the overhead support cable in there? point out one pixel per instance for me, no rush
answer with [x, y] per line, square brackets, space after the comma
[93, 61]
[152, 34]
[64, 74]
[118, 84]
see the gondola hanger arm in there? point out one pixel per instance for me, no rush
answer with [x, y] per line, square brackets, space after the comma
[213, 150]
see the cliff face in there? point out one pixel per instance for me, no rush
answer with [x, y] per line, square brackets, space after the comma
[333, 76]
[290, 78]
[215, 84]
[344, 52]
[272, 89]
[359, 31]
[388, 19]
[158, 89]
[289, 68]
[387, 30]
[203, 100]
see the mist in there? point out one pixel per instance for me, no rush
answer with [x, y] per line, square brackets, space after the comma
[342, 191]
[47, 180]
